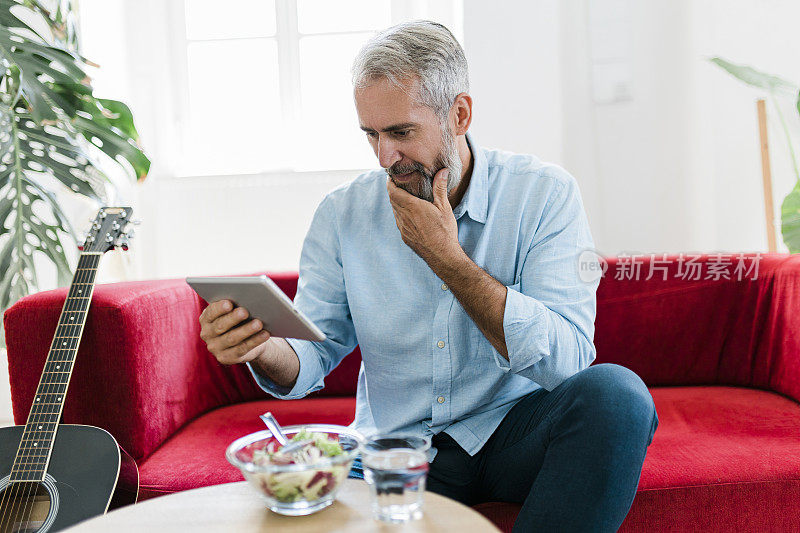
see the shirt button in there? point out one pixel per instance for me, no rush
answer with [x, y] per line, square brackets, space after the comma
[440, 399]
[440, 344]
[444, 286]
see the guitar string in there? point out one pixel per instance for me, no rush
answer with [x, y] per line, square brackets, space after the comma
[11, 496]
[51, 388]
[30, 467]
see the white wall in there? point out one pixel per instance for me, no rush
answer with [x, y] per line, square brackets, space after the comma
[676, 165]
[764, 35]
[515, 68]
[673, 167]
[230, 224]
[637, 144]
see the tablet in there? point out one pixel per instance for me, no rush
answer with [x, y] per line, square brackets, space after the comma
[264, 300]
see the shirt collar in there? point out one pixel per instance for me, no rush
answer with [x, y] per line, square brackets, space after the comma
[476, 200]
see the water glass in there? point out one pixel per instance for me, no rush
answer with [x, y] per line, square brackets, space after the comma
[395, 468]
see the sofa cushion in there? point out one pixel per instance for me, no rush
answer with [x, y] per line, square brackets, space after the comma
[195, 455]
[722, 459]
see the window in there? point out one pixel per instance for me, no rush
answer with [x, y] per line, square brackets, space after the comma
[265, 84]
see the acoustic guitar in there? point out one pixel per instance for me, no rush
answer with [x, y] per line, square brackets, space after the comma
[54, 475]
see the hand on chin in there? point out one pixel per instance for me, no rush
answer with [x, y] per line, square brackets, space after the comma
[427, 227]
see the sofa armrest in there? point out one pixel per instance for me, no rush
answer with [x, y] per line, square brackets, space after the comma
[677, 331]
[142, 370]
[778, 340]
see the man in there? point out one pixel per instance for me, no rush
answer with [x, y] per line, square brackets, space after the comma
[456, 275]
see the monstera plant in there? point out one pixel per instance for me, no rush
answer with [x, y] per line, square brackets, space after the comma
[56, 138]
[776, 89]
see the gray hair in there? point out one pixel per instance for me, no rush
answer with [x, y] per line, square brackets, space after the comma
[419, 48]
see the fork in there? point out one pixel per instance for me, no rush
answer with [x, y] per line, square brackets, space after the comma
[288, 447]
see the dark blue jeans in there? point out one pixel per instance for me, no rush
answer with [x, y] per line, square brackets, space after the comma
[572, 456]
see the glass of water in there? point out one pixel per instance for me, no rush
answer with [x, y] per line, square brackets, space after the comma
[395, 468]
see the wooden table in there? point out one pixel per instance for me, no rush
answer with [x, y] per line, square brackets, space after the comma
[237, 507]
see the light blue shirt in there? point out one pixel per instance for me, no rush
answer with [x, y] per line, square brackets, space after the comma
[426, 366]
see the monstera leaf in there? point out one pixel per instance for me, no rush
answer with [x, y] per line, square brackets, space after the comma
[107, 124]
[54, 135]
[24, 204]
[38, 66]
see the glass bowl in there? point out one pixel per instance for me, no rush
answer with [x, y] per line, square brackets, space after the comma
[296, 489]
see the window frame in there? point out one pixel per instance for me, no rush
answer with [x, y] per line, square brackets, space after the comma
[287, 37]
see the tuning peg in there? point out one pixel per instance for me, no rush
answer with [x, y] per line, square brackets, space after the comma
[135, 221]
[87, 243]
[129, 234]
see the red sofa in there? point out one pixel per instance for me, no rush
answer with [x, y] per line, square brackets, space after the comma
[722, 358]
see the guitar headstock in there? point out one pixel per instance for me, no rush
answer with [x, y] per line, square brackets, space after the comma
[109, 230]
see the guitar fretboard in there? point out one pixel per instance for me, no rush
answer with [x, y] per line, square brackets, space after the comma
[34, 450]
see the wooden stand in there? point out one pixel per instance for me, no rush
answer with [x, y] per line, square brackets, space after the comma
[766, 176]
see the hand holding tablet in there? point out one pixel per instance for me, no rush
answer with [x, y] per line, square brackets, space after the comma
[262, 300]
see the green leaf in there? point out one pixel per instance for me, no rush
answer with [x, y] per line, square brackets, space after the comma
[790, 219]
[108, 125]
[753, 77]
[40, 66]
[121, 117]
[113, 144]
[53, 152]
[25, 209]
[60, 16]
[9, 20]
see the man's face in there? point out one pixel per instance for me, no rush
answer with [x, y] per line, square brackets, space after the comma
[407, 137]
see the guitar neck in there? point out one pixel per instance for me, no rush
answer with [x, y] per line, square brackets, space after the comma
[33, 454]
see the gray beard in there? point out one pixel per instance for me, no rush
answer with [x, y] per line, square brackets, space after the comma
[448, 159]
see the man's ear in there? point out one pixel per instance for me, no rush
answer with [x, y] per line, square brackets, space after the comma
[461, 112]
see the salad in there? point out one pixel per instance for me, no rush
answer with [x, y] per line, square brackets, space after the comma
[310, 484]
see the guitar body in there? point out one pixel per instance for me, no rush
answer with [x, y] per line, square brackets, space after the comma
[81, 479]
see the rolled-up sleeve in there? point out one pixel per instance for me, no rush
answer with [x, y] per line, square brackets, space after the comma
[321, 296]
[549, 314]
